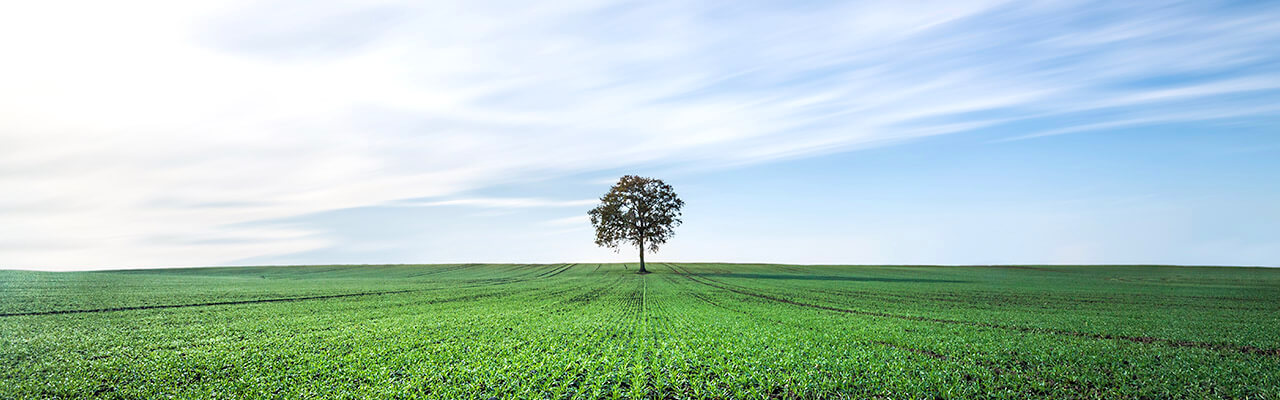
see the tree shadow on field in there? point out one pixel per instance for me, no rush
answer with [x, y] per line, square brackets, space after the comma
[824, 278]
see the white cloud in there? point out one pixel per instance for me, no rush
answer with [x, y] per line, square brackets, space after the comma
[497, 202]
[1188, 115]
[577, 220]
[124, 122]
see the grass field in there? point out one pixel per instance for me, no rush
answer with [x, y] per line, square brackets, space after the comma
[685, 331]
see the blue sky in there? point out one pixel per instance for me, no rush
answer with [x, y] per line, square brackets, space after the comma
[148, 134]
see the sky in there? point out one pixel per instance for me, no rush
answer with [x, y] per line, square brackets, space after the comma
[137, 134]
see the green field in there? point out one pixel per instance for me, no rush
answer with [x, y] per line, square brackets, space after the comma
[602, 331]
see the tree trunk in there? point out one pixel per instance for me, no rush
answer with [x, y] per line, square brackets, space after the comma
[642, 270]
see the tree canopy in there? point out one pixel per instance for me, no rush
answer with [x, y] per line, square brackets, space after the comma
[637, 211]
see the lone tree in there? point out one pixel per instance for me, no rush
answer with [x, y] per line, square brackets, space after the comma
[637, 211]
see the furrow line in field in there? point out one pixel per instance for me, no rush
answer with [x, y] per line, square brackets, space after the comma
[527, 271]
[373, 320]
[600, 336]
[581, 300]
[238, 302]
[1100, 336]
[925, 352]
[995, 369]
[441, 270]
[1058, 303]
[215, 303]
[544, 272]
[561, 271]
[552, 271]
[456, 268]
[705, 299]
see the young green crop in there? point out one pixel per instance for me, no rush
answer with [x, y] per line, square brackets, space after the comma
[687, 331]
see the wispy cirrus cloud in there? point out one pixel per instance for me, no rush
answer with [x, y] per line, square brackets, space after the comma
[500, 202]
[580, 221]
[119, 116]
